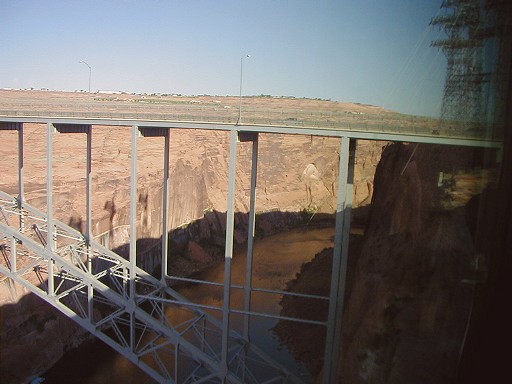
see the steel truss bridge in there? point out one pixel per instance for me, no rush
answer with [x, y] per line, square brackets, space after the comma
[125, 306]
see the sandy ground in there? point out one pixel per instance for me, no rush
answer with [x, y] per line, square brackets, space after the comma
[284, 111]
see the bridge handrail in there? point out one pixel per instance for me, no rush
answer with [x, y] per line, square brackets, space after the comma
[382, 122]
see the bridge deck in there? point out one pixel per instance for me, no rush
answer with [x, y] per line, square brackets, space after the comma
[352, 131]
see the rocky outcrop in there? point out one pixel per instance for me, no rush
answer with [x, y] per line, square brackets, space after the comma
[34, 336]
[414, 280]
[410, 304]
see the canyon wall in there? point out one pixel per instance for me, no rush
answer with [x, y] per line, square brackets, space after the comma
[417, 277]
[295, 172]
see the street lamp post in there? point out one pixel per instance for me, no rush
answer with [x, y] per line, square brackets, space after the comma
[90, 69]
[241, 73]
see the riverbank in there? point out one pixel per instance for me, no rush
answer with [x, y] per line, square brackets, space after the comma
[314, 278]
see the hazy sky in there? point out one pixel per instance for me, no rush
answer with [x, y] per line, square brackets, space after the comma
[369, 51]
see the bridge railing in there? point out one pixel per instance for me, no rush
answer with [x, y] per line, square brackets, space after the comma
[348, 120]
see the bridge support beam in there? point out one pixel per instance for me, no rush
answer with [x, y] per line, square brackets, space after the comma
[66, 128]
[133, 232]
[88, 188]
[21, 181]
[340, 258]
[228, 255]
[15, 126]
[165, 133]
[13, 256]
[49, 204]
[165, 208]
[251, 137]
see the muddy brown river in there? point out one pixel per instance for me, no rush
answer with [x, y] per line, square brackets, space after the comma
[277, 259]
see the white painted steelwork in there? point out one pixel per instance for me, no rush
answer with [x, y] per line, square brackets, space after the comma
[136, 326]
[114, 299]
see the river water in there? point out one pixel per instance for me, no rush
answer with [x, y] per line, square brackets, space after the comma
[277, 259]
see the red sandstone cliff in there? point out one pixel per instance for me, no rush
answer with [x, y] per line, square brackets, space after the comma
[414, 281]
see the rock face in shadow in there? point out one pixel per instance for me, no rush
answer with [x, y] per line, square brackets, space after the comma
[415, 278]
[34, 336]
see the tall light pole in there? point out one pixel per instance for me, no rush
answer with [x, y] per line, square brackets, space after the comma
[241, 73]
[90, 69]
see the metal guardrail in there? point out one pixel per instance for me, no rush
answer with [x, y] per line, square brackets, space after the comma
[376, 122]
